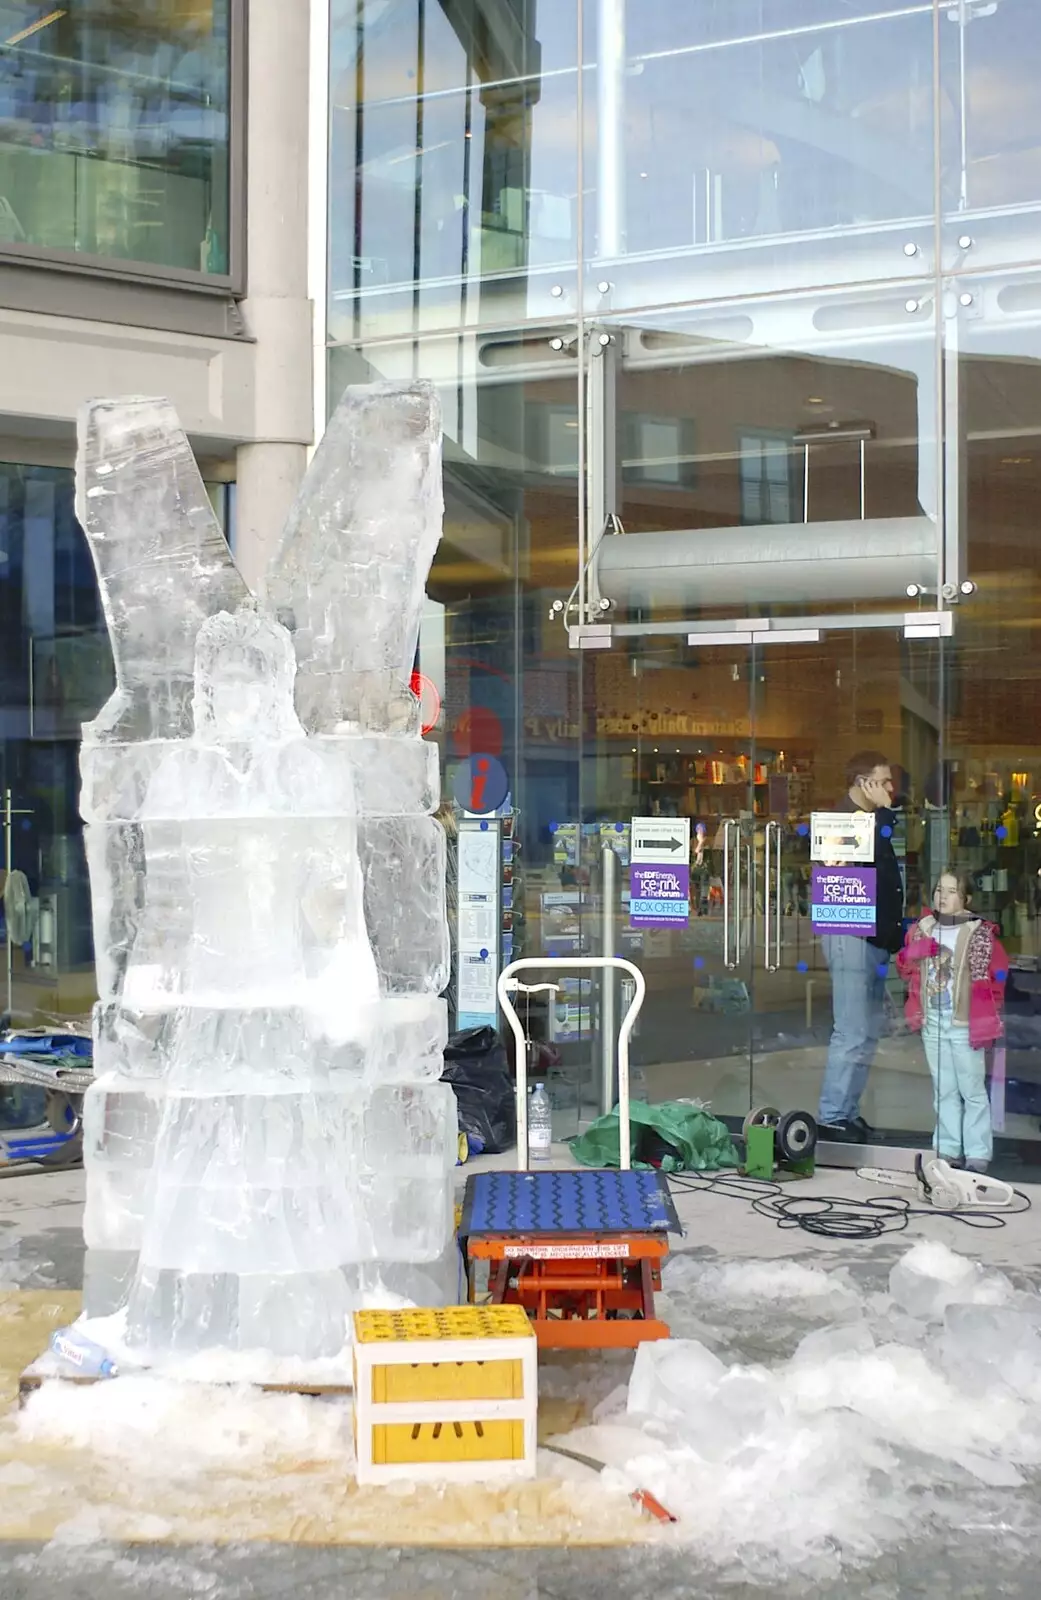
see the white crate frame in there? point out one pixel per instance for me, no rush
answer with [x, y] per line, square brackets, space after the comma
[423, 1352]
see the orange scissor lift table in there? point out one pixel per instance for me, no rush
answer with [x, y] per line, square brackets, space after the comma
[582, 1252]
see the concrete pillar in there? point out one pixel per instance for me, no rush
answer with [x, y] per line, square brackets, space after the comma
[268, 476]
[277, 310]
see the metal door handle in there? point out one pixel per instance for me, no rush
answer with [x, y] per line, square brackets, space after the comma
[730, 962]
[767, 837]
[772, 933]
[749, 895]
[778, 885]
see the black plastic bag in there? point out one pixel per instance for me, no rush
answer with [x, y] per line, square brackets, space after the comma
[477, 1067]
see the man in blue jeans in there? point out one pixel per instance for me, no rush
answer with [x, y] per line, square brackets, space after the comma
[859, 966]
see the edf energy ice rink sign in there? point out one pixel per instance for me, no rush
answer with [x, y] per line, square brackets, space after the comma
[844, 900]
[843, 889]
[659, 872]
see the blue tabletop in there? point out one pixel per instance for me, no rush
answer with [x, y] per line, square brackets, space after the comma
[567, 1202]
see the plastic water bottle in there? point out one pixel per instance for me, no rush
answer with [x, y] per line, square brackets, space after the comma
[87, 1358]
[540, 1124]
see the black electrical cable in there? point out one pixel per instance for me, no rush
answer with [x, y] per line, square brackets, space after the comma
[831, 1216]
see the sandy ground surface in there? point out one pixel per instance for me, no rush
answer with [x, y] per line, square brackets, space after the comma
[153, 1492]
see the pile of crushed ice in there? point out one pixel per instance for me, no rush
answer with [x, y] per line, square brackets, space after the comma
[797, 1425]
[865, 1418]
[205, 1426]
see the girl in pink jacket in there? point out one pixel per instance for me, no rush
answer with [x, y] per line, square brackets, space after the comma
[956, 971]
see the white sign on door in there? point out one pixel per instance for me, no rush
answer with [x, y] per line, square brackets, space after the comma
[838, 837]
[661, 841]
[478, 918]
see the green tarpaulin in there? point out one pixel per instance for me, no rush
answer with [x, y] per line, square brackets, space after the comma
[700, 1141]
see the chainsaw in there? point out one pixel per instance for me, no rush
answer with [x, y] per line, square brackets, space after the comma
[945, 1187]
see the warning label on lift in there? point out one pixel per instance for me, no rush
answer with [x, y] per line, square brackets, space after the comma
[566, 1252]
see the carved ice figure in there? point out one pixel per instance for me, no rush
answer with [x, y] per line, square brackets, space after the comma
[272, 899]
[267, 1136]
[351, 570]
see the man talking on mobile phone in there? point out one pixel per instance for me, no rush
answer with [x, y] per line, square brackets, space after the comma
[859, 966]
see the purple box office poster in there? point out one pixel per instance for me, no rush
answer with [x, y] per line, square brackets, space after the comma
[843, 900]
[659, 897]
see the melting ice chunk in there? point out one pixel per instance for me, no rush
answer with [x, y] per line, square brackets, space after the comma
[930, 1277]
[833, 1343]
[995, 1343]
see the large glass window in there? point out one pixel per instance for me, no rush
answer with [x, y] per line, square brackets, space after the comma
[453, 165]
[510, 688]
[55, 671]
[55, 674]
[114, 130]
[792, 454]
[990, 123]
[736, 141]
[986, 800]
[815, 413]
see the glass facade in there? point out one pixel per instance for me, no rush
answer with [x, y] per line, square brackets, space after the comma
[55, 673]
[736, 316]
[57, 670]
[115, 131]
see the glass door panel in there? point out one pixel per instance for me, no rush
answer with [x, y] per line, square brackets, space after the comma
[992, 767]
[454, 162]
[788, 141]
[990, 143]
[744, 741]
[771, 458]
[673, 742]
[871, 698]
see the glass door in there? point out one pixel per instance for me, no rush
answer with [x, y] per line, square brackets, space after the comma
[826, 711]
[674, 744]
[741, 740]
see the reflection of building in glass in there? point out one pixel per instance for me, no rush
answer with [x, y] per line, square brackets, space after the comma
[114, 131]
[736, 316]
[123, 234]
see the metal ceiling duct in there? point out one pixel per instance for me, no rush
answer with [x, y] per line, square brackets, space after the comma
[874, 559]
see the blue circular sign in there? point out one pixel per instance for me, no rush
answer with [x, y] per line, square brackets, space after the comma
[480, 785]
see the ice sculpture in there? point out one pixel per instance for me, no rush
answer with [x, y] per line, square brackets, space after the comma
[267, 1138]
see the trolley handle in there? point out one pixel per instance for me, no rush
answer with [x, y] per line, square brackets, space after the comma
[507, 983]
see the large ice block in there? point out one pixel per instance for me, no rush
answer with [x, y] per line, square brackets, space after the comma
[268, 894]
[163, 564]
[407, 1149]
[390, 775]
[120, 1125]
[350, 574]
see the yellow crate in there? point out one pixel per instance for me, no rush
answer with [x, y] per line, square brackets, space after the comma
[446, 1393]
[448, 1380]
[446, 1322]
[433, 1443]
